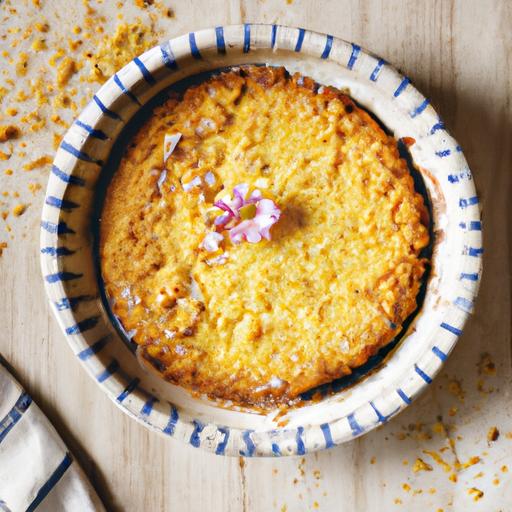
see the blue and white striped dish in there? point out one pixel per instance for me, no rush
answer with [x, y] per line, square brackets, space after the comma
[36, 469]
[70, 274]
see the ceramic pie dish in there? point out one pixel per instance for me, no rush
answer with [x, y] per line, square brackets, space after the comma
[375, 392]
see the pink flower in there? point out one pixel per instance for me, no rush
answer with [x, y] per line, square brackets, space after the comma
[247, 217]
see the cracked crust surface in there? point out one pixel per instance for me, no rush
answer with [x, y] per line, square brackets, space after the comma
[335, 283]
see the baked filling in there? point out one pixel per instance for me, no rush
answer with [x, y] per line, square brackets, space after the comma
[261, 237]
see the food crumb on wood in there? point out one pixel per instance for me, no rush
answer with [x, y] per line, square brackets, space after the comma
[38, 162]
[486, 365]
[19, 209]
[66, 69]
[421, 465]
[8, 132]
[373, 460]
[476, 493]
[493, 434]
[455, 388]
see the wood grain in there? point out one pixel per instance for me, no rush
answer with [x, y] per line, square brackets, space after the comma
[460, 55]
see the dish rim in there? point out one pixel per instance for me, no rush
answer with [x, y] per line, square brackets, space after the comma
[127, 91]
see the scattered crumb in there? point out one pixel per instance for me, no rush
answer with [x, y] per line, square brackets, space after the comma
[405, 462]
[8, 132]
[437, 458]
[67, 68]
[11, 111]
[19, 209]
[38, 162]
[315, 504]
[3, 245]
[486, 366]
[476, 493]
[398, 501]
[421, 465]
[34, 188]
[22, 64]
[455, 389]
[493, 434]
[406, 487]
[504, 469]
[317, 474]
[453, 478]
[373, 460]
[470, 462]
[496, 481]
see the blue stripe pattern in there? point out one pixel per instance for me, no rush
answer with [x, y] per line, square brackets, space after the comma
[276, 450]
[451, 329]
[62, 276]
[168, 56]
[356, 50]
[376, 71]
[469, 277]
[326, 430]
[105, 110]
[66, 146]
[63, 204]
[221, 45]
[148, 406]
[439, 353]
[145, 71]
[14, 415]
[422, 374]
[173, 420]
[247, 37]
[463, 175]
[72, 302]
[443, 153]
[93, 132]
[474, 251]
[401, 88]
[474, 225]
[273, 37]
[221, 447]
[57, 251]
[419, 109]
[300, 40]
[438, 126]
[128, 93]
[354, 425]
[301, 449]
[464, 203]
[67, 178]
[83, 326]
[194, 50]
[50, 483]
[108, 371]
[195, 440]
[128, 389]
[250, 448]
[96, 347]
[61, 228]
[380, 417]
[403, 396]
[4, 507]
[327, 48]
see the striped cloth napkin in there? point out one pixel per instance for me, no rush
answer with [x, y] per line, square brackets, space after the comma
[36, 469]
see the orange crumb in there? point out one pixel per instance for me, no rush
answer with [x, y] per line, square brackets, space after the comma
[315, 504]
[421, 465]
[4, 156]
[8, 172]
[21, 65]
[447, 468]
[453, 478]
[470, 462]
[486, 366]
[317, 474]
[373, 460]
[504, 469]
[34, 187]
[41, 27]
[67, 68]
[480, 474]
[19, 209]
[455, 389]
[3, 245]
[493, 434]
[8, 132]
[476, 493]
[452, 411]
[406, 487]
[432, 490]
[38, 162]
[496, 481]
[11, 111]
[398, 501]
[39, 45]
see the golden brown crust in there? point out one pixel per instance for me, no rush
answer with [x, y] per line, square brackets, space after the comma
[335, 283]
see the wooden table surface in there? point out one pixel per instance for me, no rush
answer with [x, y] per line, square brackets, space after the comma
[457, 53]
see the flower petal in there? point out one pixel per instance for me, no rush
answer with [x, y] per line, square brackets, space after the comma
[211, 241]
